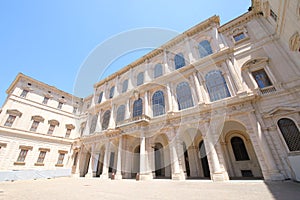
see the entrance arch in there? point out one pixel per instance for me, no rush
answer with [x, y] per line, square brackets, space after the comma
[159, 160]
[241, 159]
[204, 160]
[135, 162]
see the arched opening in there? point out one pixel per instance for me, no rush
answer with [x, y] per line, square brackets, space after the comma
[239, 153]
[100, 162]
[204, 160]
[186, 161]
[136, 162]
[159, 160]
[86, 164]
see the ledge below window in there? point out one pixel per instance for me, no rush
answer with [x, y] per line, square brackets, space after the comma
[39, 164]
[19, 163]
[59, 165]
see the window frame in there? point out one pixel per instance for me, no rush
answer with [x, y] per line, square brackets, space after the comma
[158, 70]
[106, 119]
[202, 46]
[179, 61]
[34, 126]
[125, 86]
[111, 92]
[185, 103]
[217, 90]
[158, 101]
[137, 109]
[140, 79]
[24, 93]
[282, 136]
[121, 116]
[10, 120]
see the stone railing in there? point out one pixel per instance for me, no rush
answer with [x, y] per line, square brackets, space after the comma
[267, 90]
[137, 119]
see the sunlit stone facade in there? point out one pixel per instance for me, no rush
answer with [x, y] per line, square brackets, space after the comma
[218, 102]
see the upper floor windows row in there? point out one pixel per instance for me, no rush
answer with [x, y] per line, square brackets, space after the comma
[46, 99]
[205, 49]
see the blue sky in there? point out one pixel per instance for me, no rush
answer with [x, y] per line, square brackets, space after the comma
[50, 40]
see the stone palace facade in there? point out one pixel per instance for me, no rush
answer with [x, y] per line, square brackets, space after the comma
[218, 102]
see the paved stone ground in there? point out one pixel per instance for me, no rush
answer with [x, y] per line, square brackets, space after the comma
[85, 189]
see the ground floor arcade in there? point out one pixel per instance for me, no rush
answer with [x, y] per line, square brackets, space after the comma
[236, 151]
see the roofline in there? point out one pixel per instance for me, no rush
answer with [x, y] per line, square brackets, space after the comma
[190, 32]
[53, 88]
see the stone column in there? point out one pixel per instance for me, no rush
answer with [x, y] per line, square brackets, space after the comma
[189, 50]
[236, 78]
[193, 152]
[127, 109]
[77, 169]
[146, 104]
[130, 80]
[272, 171]
[117, 86]
[202, 88]
[98, 124]
[210, 140]
[169, 95]
[229, 84]
[112, 123]
[198, 89]
[104, 174]
[90, 172]
[166, 63]
[147, 71]
[145, 174]
[177, 171]
[118, 175]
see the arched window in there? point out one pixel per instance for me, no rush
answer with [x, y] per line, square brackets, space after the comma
[140, 79]
[137, 108]
[125, 86]
[158, 103]
[179, 61]
[216, 85]
[120, 113]
[105, 121]
[184, 96]
[239, 149]
[111, 92]
[204, 48]
[290, 133]
[100, 97]
[158, 70]
[93, 124]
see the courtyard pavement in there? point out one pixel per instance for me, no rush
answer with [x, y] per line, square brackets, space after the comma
[86, 189]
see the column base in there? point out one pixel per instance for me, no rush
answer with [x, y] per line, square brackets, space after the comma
[89, 175]
[104, 176]
[118, 176]
[178, 176]
[219, 176]
[145, 177]
[75, 175]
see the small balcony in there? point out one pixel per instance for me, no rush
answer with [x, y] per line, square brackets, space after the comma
[141, 119]
[267, 90]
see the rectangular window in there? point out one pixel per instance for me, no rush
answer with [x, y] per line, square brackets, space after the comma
[60, 104]
[261, 78]
[68, 133]
[10, 120]
[60, 159]
[239, 37]
[45, 101]
[24, 93]
[22, 155]
[74, 110]
[34, 126]
[41, 157]
[51, 129]
[273, 15]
